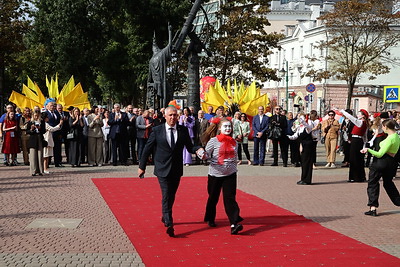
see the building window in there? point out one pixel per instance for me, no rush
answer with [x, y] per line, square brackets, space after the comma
[311, 50]
[292, 54]
[301, 51]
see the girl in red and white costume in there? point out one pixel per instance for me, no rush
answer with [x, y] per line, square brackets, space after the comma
[358, 140]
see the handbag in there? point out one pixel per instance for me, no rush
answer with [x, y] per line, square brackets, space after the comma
[275, 133]
[70, 135]
[241, 133]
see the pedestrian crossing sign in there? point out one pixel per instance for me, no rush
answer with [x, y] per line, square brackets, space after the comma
[391, 94]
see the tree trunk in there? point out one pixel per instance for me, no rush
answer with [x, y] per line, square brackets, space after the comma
[350, 86]
[193, 97]
[2, 78]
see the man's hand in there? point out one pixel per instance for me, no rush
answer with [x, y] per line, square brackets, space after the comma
[201, 153]
[364, 150]
[141, 173]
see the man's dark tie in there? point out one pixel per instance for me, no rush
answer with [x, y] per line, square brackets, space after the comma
[172, 138]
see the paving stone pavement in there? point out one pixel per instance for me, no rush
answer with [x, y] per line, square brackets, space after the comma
[98, 240]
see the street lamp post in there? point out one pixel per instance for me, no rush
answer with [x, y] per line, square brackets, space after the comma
[285, 72]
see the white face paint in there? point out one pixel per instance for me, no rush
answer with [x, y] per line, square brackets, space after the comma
[359, 115]
[226, 128]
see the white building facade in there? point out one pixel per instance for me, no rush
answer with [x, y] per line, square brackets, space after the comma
[299, 54]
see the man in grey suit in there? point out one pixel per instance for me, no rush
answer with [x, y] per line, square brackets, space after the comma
[168, 141]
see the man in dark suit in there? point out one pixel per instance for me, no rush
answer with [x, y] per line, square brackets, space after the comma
[118, 122]
[260, 126]
[132, 133]
[64, 115]
[54, 120]
[278, 120]
[84, 140]
[201, 124]
[167, 140]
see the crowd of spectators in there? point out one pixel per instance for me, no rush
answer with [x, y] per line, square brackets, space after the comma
[99, 136]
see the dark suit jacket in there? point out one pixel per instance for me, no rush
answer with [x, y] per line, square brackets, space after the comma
[260, 127]
[167, 161]
[281, 123]
[118, 125]
[65, 127]
[54, 122]
[200, 128]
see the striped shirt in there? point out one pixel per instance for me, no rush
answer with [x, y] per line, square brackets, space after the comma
[230, 165]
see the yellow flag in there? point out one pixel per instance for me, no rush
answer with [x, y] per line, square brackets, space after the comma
[29, 93]
[251, 107]
[82, 105]
[250, 94]
[55, 86]
[42, 98]
[205, 105]
[22, 101]
[213, 97]
[67, 88]
[71, 98]
[221, 90]
[47, 83]
[31, 84]
[236, 96]
[229, 91]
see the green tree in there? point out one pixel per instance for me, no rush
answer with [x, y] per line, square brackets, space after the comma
[13, 26]
[243, 43]
[105, 44]
[360, 35]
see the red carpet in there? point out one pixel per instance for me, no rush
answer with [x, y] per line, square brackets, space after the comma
[272, 236]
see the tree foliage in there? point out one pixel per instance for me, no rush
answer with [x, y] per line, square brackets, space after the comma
[243, 44]
[13, 26]
[360, 36]
[105, 44]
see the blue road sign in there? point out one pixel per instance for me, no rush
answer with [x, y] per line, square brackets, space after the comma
[310, 88]
[391, 94]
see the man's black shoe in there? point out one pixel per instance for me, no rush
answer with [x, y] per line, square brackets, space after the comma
[236, 228]
[274, 164]
[261, 164]
[303, 183]
[114, 164]
[212, 224]
[171, 231]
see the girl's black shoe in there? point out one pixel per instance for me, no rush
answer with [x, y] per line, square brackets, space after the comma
[371, 213]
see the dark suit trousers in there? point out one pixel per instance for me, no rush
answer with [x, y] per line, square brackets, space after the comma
[228, 185]
[118, 148]
[387, 177]
[169, 185]
[294, 151]
[132, 145]
[307, 162]
[284, 145]
[259, 150]
[84, 148]
[57, 151]
[356, 170]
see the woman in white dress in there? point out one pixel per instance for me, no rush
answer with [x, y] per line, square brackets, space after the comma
[48, 137]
